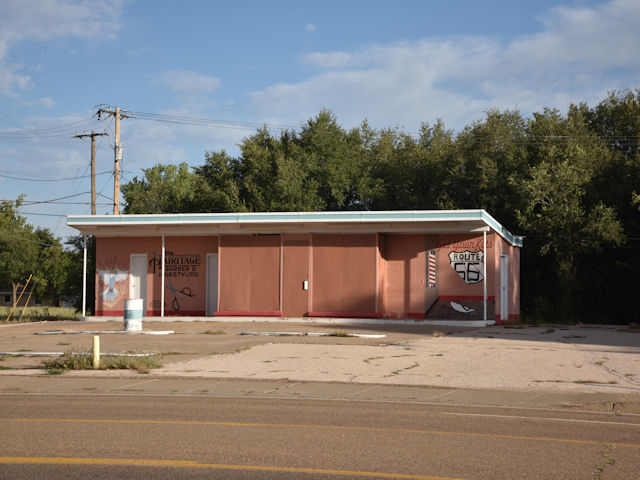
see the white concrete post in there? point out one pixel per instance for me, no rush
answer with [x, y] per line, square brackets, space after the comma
[84, 275]
[162, 282]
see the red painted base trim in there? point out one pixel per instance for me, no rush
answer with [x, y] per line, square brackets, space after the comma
[110, 313]
[405, 315]
[153, 313]
[239, 313]
[513, 318]
[470, 298]
[180, 313]
[345, 314]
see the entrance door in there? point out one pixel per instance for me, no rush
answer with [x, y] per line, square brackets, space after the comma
[295, 275]
[212, 283]
[504, 287]
[138, 278]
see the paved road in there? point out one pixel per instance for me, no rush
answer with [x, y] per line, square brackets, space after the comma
[164, 436]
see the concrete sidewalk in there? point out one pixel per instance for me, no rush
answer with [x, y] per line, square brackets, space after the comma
[73, 384]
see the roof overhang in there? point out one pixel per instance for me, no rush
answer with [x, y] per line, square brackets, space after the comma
[413, 221]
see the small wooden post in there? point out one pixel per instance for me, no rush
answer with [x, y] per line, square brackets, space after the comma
[96, 351]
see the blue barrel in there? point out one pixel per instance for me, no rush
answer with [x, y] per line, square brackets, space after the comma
[133, 314]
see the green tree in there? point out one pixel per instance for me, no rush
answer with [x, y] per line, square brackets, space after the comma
[162, 189]
[336, 163]
[564, 218]
[26, 251]
[18, 249]
[73, 280]
[491, 157]
[217, 189]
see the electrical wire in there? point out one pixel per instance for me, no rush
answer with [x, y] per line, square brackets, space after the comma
[27, 179]
[44, 214]
[187, 120]
[33, 202]
[27, 239]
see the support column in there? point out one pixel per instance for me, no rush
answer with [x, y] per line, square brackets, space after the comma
[84, 275]
[484, 273]
[162, 282]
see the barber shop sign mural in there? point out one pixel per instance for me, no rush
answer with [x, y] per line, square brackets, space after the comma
[181, 272]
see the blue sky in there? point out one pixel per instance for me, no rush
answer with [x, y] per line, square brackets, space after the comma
[279, 63]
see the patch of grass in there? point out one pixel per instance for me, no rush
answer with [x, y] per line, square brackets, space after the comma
[84, 361]
[438, 334]
[214, 332]
[38, 314]
[25, 350]
[437, 355]
[15, 390]
[242, 349]
[4, 367]
[340, 333]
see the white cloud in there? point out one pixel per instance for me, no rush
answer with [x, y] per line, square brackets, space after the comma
[10, 79]
[578, 55]
[327, 60]
[41, 102]
[46, 20]
[310, 27]
[188, 82]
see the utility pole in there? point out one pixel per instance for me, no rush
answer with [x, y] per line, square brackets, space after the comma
[117, 149]
[93, 136]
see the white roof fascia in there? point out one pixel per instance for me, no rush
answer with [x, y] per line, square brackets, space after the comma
[283, 218]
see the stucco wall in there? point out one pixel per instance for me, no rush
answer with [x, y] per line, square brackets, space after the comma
[369, 274]
[344, 273]
[406, 279]
[184, 276]
[249, 273]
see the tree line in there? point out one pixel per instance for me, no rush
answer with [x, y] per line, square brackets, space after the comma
[569, 182]
[27, 251]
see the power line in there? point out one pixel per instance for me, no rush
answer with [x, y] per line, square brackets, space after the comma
[27, 239]
[51, 179]
[186, 120]
[43, 214]
[33, 202]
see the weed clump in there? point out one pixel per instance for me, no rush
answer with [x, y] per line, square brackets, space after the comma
[84, 361]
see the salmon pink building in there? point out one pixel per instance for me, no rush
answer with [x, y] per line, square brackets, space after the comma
[444, 266]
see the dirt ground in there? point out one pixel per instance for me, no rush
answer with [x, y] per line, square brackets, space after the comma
[556, 358]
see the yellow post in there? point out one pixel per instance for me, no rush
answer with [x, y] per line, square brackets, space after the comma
[96, 351]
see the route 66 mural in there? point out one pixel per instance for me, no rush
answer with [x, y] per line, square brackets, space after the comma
[469, 265]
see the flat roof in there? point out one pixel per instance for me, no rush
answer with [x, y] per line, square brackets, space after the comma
[428, 221]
